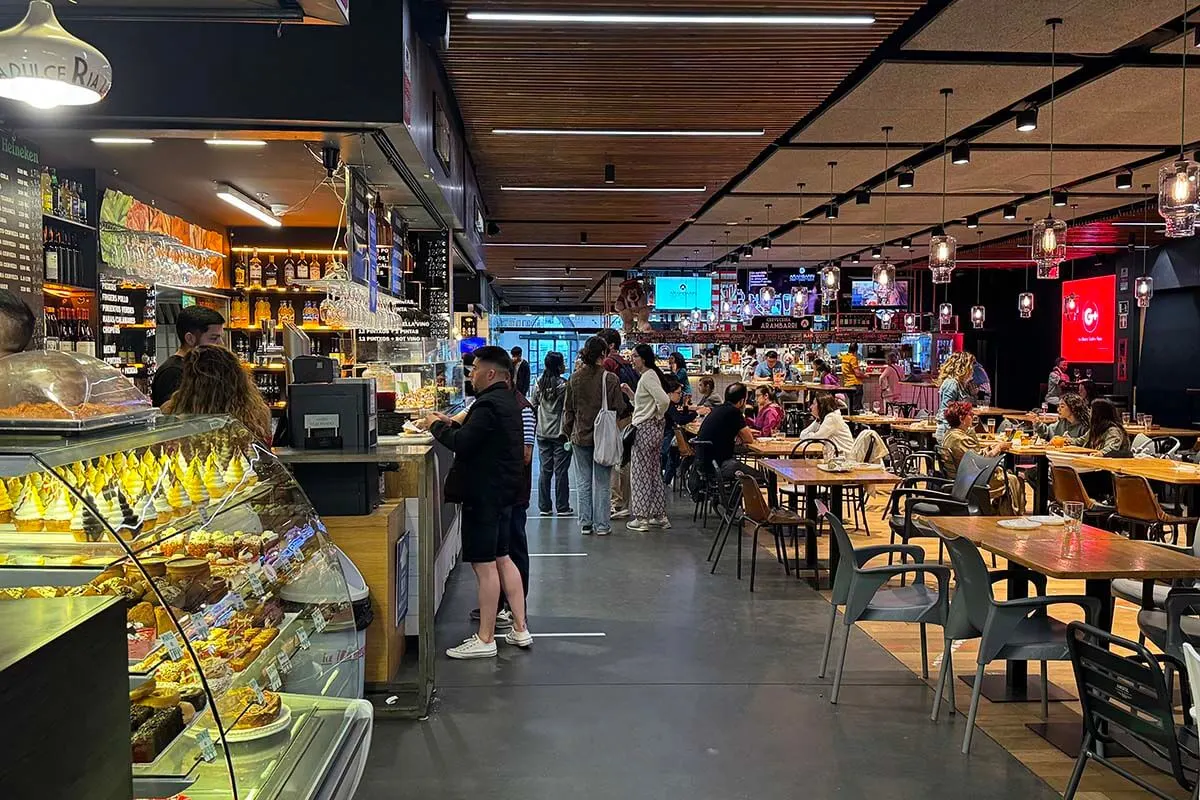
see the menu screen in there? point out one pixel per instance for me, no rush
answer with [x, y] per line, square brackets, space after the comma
[1089, 338]
[21, 223]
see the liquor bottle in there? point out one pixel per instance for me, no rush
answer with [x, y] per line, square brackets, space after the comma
[311, 315]
[302, 268]
[83, 215]
[239, 273]
[314, 269]
[289, 272]
[255, 270]
[75, 200]
[262, 310]
[47, 192]
[287, 313]
[49, 257]
[86, 343]
[55, 201]
[271, 272]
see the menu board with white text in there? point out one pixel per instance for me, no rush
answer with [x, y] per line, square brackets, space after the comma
[21, 223]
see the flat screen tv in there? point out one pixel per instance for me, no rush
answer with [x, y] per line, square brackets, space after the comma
[865, 294]
[1089, 338]
[682, 294]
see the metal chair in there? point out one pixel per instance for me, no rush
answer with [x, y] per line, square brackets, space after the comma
[1017, 630]
[755, 509]
[1129, 696]
[687, 457]
[1069, 488]
[1172, 627]
[805, 448]
[1138, 507]
[708, 493]
[863, 595]
[1133, 590]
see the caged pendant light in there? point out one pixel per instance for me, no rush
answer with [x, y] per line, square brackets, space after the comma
[883, 275]
[830, 275]
[1049, 245]
[978, 312]
[942, 246]
[1071, 300]
[1179, 183]
[1143, 287]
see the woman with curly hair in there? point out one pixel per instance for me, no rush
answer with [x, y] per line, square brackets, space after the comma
[1074, 417]
[954, 382]
[1006, 491]
[214, 382]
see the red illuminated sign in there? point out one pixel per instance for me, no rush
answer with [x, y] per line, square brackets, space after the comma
[1089, 338]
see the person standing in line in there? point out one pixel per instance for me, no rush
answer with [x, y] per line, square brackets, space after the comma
[954, 381]
[678, 368]
[1058, 383]
[678, 414]
[518, 543]
[486, 478]
[852, 375]
[520, 371]
[591, 387]
[617, 364]
[549, 397]
[648, 503]
[889, 380]
[195, 325]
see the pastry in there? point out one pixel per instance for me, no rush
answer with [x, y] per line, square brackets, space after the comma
[198, 544]
[233, 473]
[195, 696]
[28, 514]
[40, 592]
[163, 696]
[129, 520]
[214, 482]
[162, 506]
[241, 704]
[193, 484]
[6, 508]
[162, 621]
[250, 476]
[142, 614]
[118, 461]
[59, 513]
[145, 513]
[139, 714]
[153, 736]
[178, 498]
[172, 543]
[78, 524]
[225, 544]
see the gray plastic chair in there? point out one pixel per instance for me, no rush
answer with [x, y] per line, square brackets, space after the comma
[861, 592]
[1012, 630]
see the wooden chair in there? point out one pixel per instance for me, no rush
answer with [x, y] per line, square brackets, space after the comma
[1138, 507]
[756, 510]
[687, 457]
[1068, 488]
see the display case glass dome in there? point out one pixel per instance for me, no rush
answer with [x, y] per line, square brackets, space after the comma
[66, 391]
[244, 660]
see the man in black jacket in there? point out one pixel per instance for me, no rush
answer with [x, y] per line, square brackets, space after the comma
[488, 449]
[520, 371]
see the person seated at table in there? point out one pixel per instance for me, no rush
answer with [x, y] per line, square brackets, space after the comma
[678, 414]
[708, 394]
[828, 424]
[825, 375]
[725, 427]
[954, 381]
[1006, 491]
[678, 366]
[769, 368]
[770, 413]
[889, 380]
[1105, 432]
[1073, 419]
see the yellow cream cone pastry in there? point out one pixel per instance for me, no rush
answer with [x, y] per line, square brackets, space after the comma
[59, 513]
[28, 514]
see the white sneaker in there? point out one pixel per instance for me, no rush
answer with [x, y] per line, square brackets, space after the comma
[519, 638]
[620, 513]
[638, 525]
[603, 531]
[473, 647]
[660, 522]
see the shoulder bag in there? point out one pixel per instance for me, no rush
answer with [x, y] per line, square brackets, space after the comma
[605, 438]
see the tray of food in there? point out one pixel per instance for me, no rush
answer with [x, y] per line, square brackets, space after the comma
[58, 391]
[82, 418]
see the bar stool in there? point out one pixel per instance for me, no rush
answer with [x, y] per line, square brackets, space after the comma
[1138, 506]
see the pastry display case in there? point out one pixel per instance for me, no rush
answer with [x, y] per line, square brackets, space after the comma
[244, 660]
[424, 376]
[59, 390]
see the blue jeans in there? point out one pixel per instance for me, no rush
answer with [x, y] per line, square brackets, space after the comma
[595, 489]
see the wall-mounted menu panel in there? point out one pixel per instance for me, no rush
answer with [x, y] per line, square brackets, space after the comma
[21, 224]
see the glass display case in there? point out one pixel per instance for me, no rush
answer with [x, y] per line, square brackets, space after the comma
[244, 659]
[425, 376]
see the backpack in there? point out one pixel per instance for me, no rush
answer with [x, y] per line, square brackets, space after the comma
[605, 438]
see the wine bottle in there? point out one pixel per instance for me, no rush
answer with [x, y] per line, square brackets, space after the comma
[239, 273]
[49, 258]
[271, 272]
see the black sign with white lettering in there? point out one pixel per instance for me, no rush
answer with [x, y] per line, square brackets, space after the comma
[21, 223]
[781, 324]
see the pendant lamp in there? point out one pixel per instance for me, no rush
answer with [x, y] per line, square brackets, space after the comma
[43, 65]
[1071, 300]
[942, 246]
[830, 275]
[945, 314]
[1179, 183]
[912, 323]
[884, 273]
[1049, 246]
[1143, 287]
[978, 312]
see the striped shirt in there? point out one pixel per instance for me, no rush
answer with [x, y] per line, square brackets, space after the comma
[529, 424]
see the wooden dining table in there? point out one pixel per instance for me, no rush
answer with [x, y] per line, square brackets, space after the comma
[1092, 555]
[808, 472]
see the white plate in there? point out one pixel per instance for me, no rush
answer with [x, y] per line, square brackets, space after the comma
[832, 469]
[250, 734]
[1019, 524]
[1049, 519]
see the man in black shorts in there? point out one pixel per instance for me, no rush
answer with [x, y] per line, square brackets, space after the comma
[488, 449]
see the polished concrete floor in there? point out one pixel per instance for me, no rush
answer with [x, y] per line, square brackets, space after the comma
[668, 682]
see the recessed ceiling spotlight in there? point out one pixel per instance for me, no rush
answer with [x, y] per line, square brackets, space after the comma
[1124, 180]
[906, 179]
[877, 252]
[960, 154]
[594, 18]
[610, 173]
[1027, 119]
[906, 243]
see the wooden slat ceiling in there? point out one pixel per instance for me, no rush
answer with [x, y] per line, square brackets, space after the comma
[594, 76]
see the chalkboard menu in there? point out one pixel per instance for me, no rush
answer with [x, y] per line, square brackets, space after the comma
[359, 212]
[435, 300]
[21, 224]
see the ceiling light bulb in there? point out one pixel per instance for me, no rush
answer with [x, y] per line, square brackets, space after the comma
[1010, 212]
[943, 251]
[1059, 198]
[1180, 188]
[1027, 119]
[1124, 180]
[961, 154]
[906, 179]
[831, 278]
[972, 221]
[1049, 240]
[46, 67]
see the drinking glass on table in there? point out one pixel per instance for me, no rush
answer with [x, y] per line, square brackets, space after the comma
[1073, 512]
[1148, 421]
[990, 422]
[1125, 419]
[876, 407]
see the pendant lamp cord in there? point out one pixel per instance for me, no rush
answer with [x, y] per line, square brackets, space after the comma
[887, 140]
[829, 253]
[978, 268]
[945, 143]
[1183, 88]
[1053, 73]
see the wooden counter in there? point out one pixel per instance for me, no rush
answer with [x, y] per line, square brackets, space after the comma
[371, 542]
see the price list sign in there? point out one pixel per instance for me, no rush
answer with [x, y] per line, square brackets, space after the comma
[21, 224]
